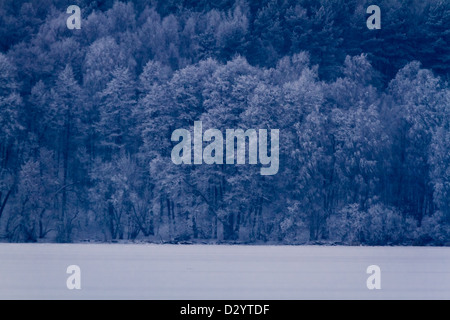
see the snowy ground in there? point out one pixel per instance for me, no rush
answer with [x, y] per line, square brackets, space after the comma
[116, 271]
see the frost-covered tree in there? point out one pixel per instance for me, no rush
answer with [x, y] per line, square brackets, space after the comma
[437, 227]
[10, 105]
[67, 108]
[118, 100]
[33, 217]
[418, 103]
[102, 58]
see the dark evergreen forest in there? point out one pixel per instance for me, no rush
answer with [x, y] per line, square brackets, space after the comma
[87, 115]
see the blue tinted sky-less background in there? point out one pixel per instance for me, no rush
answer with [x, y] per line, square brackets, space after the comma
[86, 118]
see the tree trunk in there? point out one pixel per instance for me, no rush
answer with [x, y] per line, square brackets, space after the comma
[64, 232]
[112, 228]
[3, 203]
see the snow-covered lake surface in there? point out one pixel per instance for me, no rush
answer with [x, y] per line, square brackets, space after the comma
[118, 271]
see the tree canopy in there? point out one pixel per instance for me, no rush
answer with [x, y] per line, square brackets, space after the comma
[87, 117]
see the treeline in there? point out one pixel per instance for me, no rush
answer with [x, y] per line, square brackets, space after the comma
[87, 117]
[182, 32]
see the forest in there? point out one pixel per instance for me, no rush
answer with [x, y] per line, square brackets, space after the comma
[87, 116]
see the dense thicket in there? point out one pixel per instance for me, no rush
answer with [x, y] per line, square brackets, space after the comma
[87, 116]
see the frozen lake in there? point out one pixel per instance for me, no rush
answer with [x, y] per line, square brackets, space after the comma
[118, 271]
